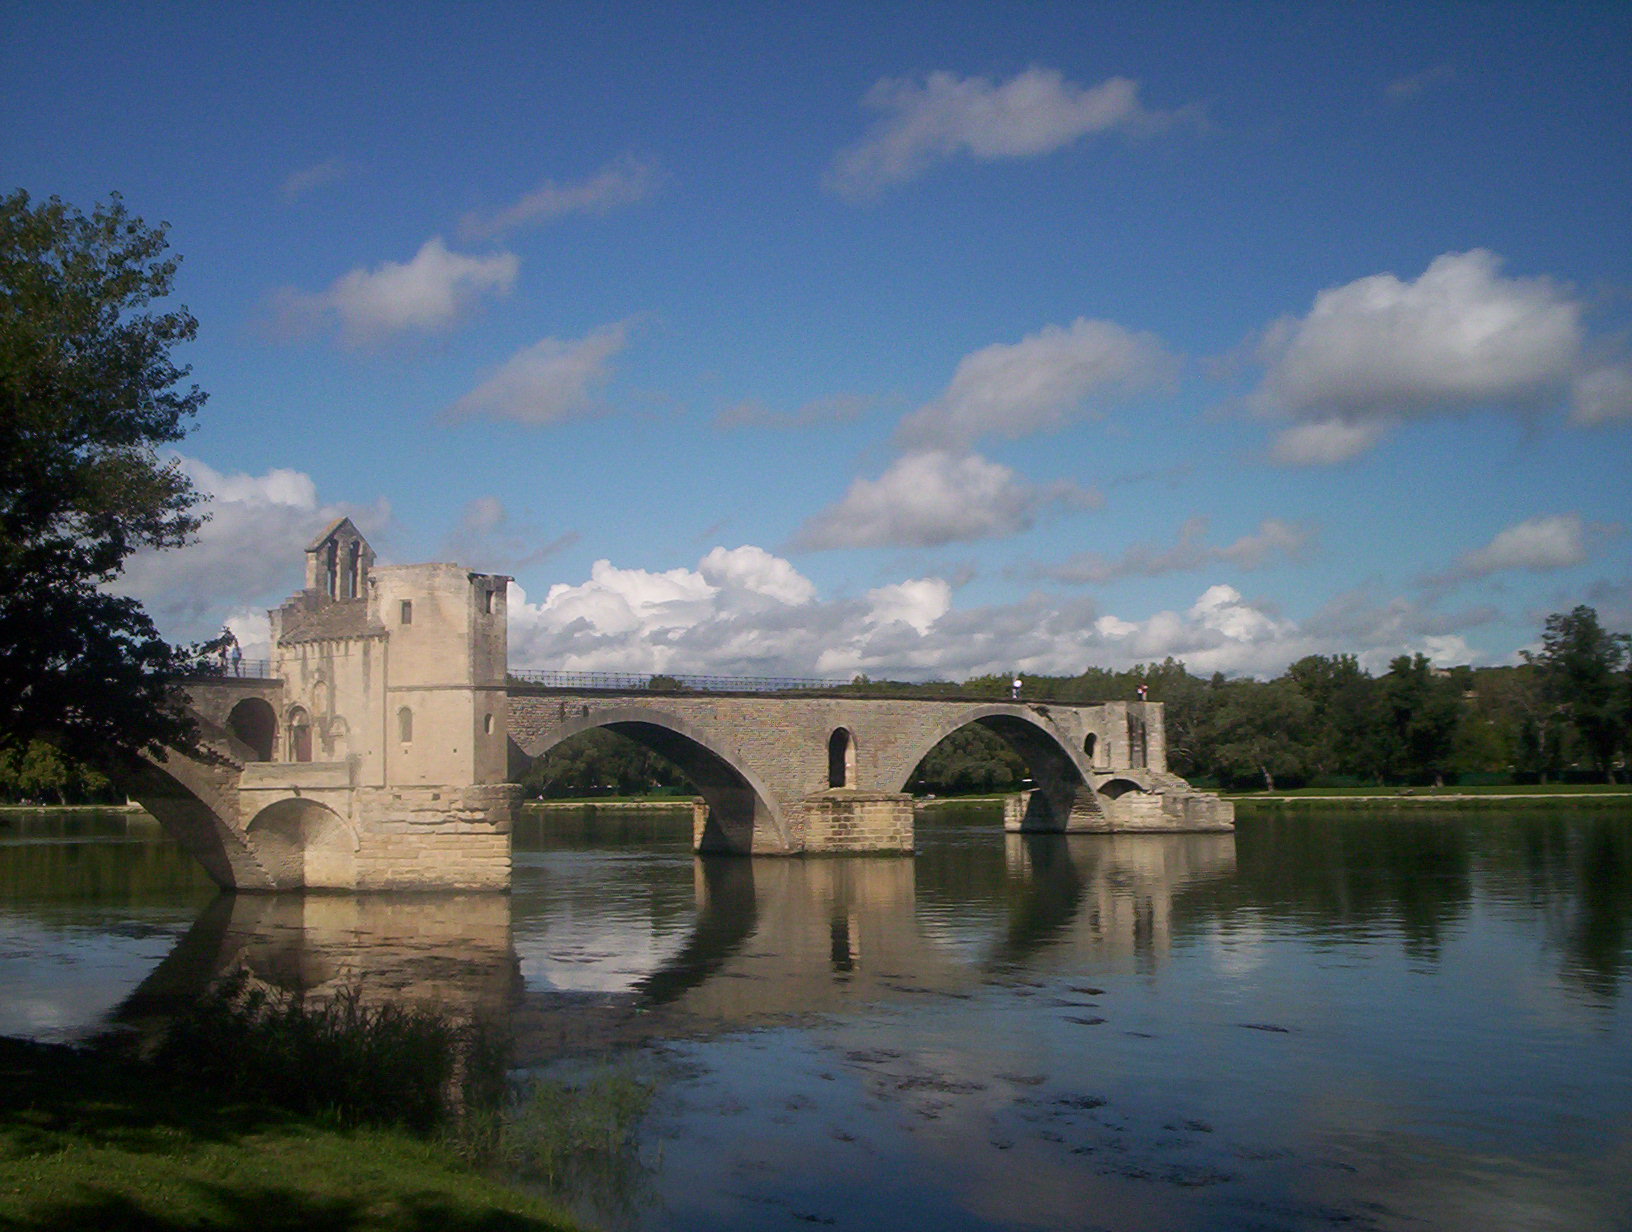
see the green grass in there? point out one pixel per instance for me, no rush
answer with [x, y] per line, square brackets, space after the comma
[92, 1140]
[1528, 789]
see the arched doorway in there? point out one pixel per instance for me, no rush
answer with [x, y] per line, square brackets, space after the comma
[254, 724]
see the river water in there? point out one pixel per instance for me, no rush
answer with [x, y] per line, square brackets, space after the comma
[1410, 1021]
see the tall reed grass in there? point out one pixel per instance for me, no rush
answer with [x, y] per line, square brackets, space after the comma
[345, 1059]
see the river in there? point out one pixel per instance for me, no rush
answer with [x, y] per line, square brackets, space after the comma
[1365, 1021]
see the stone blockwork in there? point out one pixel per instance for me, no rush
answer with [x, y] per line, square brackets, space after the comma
[376, 759]
[783, 774]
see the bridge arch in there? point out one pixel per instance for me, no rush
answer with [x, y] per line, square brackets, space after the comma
[742, 813]
[1064, 796]
[304, 845]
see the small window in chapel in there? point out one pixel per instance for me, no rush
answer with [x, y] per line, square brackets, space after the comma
[407, 613]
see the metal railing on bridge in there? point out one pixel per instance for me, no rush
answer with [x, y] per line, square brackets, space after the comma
[661, 682]
[212, 668]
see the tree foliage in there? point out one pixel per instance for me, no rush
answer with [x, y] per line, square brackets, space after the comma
[88, 393]
[1584, 675]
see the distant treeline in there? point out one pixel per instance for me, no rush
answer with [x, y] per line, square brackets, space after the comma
[1563, 714]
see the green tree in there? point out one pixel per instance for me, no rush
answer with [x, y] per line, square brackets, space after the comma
[1422, 709]
[1342, 736]
[1583, 670]
[1253, 731]
[88, 393]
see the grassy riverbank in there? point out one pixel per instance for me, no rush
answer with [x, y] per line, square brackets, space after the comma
[1506, 798]
[91, 1139]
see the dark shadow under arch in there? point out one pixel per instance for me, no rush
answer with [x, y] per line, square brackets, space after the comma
[254, 724]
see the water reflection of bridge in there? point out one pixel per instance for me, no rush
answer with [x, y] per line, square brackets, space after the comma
[766, 937]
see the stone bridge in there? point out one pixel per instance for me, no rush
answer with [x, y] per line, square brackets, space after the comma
[795, 773]
[381, 751]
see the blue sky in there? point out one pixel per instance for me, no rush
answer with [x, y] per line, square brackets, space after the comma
[915, 340]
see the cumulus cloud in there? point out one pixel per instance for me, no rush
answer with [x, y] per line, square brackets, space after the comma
[248, 555]
[1536, 545]
[1378, 351]
[926, 122]
[426, 294]
[551, 380]
[1274, 539]
[619, 183]
[1039, 383]
[746, 612]
[935, 497]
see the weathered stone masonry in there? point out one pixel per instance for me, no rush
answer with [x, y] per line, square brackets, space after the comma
[383, 753]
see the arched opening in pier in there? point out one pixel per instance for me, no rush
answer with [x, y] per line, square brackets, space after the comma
[254, 724]
[304, 845]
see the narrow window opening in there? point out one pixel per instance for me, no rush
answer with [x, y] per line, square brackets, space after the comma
[490, 602]
[405, 725]
[300, 735]
[1089, 745]
[406, 613]
[841, 759]
[487, 725]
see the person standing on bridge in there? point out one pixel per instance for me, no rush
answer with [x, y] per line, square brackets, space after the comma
[1014, 690]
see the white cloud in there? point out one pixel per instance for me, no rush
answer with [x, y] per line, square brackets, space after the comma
[930, 498]
[248, 554]
[1603, 394]
[917, 603]
[298, 183]
[548, 381]
[426, 294]
[757, 572]
[745, 612]
[1539, 544]
[487, 539]
[1377, 351]
[1039, 383]
[943, 116]
[1326, 442]
[618, 183]
[1274, 539]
